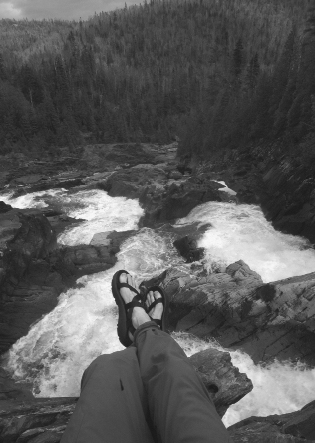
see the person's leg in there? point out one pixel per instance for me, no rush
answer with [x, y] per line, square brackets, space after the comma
[180, 406]
[112, 406]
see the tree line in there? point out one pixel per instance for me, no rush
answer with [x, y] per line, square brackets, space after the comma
[262, 104]
[216, 74]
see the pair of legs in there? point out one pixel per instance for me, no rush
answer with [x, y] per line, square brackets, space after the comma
[147, 393]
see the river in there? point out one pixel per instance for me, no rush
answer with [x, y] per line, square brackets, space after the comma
[58, 348]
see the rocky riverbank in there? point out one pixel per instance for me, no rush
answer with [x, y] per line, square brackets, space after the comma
[233, 305]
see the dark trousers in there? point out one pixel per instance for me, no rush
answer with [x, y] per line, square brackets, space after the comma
[146, 393]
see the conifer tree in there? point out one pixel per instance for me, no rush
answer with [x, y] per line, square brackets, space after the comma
[238, 58]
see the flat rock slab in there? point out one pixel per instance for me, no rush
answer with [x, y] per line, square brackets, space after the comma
[101, 238]
[29, 179]
[267, 321]
[28, 421]
[295, 427]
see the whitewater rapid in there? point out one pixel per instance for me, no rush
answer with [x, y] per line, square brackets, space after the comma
[242, 232]
[59, 347]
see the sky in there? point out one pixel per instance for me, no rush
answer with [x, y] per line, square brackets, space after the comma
[61, 9]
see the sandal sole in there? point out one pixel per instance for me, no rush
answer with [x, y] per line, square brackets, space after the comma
[122, 329]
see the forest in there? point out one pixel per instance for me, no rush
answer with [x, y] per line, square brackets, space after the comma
[214, 74]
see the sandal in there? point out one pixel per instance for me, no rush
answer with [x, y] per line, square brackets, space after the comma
[125, 309]
[164, 300]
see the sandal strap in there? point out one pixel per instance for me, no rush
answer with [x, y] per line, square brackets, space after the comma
[156, 302]
[129, 308]
[126, 285]
[133, 303]
[137, 299]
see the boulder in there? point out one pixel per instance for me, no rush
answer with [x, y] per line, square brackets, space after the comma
[111, 238]
[187, 247]
[224, 382]
[25, 235]
[131, 182]
[175, 199]
[4, 207]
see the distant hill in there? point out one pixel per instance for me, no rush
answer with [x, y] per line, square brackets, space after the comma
[200, 69]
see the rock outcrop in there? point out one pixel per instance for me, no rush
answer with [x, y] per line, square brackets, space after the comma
[295, 427]
[176, 198]
[274, 320]
[289, 197]
[223, 381]
[282, 184]
[25, 236]
[4, 207]
[34, 271]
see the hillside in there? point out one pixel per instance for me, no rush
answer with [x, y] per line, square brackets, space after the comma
[145, 73]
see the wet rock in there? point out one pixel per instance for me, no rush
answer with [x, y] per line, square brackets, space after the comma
[187, 247]
[10, 390]
[4, 207]
[223, 381]
[36, 183]
[131, 182]
[73, 262]
[37, 421]
[101, 238]
[59, 222]
[113, 239]
[175, 199]
[25, 235]
[295, 427]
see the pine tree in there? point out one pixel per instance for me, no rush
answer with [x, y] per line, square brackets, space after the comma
[238, 58]
[252, 74]
[3, 73]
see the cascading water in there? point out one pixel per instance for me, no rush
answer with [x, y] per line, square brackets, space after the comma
[59, 347]
[242, 232]
[278, 387]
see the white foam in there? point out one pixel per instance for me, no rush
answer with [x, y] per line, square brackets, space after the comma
[225, 188]
[242, 232]
[60, 346]
[279, 388]
[102, 212]
[31, 200]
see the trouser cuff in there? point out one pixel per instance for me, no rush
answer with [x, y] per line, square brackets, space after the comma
[145, 327]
